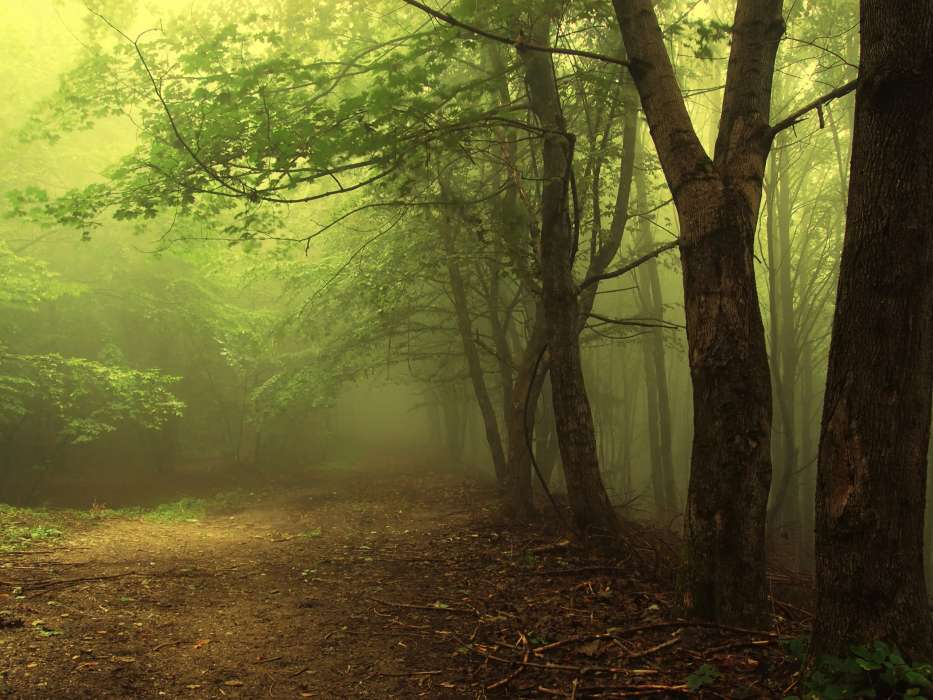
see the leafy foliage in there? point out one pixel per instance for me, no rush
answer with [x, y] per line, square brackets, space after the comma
[83, 398]
[875, 670]
[705, 675]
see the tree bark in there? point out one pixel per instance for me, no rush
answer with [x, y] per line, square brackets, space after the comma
[592, 510]
[717, 201]
[470, 351]
[876, 413]
[520, 427]
[784, 512]
[655, 364]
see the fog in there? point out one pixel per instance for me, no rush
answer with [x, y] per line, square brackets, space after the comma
[290, 250]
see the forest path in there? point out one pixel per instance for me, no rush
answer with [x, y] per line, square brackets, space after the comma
[386, 583]
[289, 596]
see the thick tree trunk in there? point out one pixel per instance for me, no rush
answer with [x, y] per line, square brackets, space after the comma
[717, 201]
[724, 574]
[876, 414]
[592, 510]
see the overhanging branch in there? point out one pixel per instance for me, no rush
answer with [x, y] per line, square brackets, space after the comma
[518, 42]
[816, 104]
[630, 266]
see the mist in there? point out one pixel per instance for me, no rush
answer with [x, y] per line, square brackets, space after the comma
[397, 349]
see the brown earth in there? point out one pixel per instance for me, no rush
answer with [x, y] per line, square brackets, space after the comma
[388, 583]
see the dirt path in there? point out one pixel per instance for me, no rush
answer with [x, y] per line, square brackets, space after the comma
[349, 585]
[280, 599]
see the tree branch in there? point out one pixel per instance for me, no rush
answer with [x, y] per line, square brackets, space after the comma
[518, 43]
[630, 266]
[817, 104]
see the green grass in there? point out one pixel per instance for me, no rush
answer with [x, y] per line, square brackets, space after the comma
[21, 528]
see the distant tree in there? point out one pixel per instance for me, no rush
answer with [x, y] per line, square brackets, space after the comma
[876, 413]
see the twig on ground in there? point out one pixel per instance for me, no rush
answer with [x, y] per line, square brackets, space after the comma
[403, 674]
[433, 608]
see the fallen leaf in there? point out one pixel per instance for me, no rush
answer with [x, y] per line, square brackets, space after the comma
[233, 683]
[201, 643]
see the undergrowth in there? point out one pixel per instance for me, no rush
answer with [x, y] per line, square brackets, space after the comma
[21, 528]
[875, 670]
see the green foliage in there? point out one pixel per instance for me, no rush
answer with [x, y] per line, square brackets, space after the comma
[23, 527]
[82, 398]
[187, 509]
[875, 670]
[26, 282]
[704, 676]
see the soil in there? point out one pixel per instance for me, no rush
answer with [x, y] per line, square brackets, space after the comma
[382, 583]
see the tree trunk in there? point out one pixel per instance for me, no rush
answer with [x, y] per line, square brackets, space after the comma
[470, 351]
[784, 514]
[520, 426]
[876, 413]
[592, 510]
[730, 475]
[717, 201]
[547, 451]
[655, 365]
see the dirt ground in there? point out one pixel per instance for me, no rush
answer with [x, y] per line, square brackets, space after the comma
[386, 583]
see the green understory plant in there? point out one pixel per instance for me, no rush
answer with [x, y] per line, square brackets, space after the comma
[876, 670]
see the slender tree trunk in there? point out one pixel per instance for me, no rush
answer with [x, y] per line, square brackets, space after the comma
[876, 414]
[548, 450]
[470, 351]
[498, 326]
[785, 504]
[589, 501]
[655, 366]
[808, 448]
[724, 576]
[525, 395]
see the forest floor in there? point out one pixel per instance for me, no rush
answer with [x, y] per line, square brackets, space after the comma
[384, 583]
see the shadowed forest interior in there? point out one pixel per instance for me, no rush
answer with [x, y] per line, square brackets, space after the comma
[459, 349]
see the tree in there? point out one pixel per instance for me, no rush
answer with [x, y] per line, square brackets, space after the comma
[717, 201]
[876, 413]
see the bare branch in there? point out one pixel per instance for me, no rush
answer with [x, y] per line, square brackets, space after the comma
[518, 43]
[816, 104]
[630, 266]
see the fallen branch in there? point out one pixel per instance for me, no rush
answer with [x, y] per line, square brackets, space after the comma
[433, 608]
[739, 645]
[619, 691]
[555, 667]
[509, 678]
[583, 570]
[403, 674]
[645, 628]
[651, 650]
